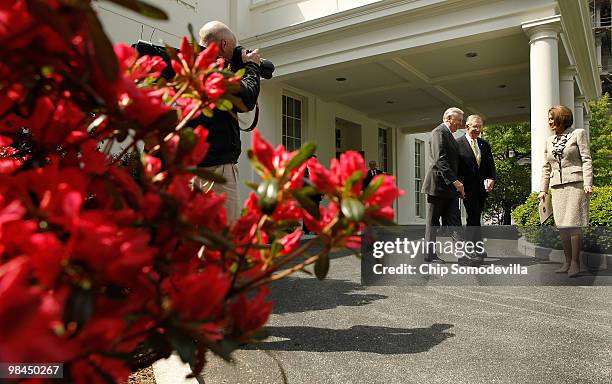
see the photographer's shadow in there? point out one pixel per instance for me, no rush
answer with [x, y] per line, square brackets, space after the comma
[295, 295]
[358, 338]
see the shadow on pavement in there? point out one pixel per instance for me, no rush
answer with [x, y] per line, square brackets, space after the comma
[310, 294]
[359, 338]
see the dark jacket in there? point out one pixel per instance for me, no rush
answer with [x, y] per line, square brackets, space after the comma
[370, 174]
[470, 174]
[224, 131]
[443, 170]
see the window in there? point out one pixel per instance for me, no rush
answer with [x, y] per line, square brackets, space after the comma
[292, 123]
[419, 173]
[383, 149]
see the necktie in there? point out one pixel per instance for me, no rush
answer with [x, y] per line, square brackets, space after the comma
[476, 152]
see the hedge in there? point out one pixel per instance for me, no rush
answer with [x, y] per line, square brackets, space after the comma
[598, 236]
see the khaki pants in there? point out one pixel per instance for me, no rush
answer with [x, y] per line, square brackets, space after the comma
[229, 188]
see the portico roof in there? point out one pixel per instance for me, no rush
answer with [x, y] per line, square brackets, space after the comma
[406, 67]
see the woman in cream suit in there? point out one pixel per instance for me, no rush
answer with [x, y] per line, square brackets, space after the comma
[568, 172]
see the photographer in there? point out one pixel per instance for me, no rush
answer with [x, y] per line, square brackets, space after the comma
[224, 131]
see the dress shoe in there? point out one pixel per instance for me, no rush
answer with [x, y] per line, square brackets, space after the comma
[434, 260]
[469, 261]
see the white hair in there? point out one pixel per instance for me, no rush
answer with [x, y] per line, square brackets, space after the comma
[215, 31]
[453, 111]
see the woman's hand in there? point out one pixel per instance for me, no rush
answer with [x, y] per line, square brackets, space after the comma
[542, 195]
[588, 189]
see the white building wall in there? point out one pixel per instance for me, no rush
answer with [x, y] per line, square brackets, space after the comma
[406, 205]
[123, 25]
[262, 16]
[319, 126]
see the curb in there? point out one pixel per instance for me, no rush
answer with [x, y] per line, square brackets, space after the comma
[594, 260]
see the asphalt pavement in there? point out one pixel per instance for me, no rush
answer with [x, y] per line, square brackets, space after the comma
[338, 331]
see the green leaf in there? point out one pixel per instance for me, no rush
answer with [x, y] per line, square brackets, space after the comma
[255, 164]
[187, 142]
[321, 266]
[309, 190]
[184, 345]
[353, 209]
[251, 185]
[304, 154]
[105, 53]
[268, 196]
[306, 203]
[206, 174]
[224, 105]
[223, 349]
[207, 112]
[80, 306]
[355, 177]
[143, 8]
[372, 188]
[240, 72]
[196, 47]
[276, 248]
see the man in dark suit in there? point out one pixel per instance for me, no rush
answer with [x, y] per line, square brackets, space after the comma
[477, 173]
[442, 184]
[372, 172]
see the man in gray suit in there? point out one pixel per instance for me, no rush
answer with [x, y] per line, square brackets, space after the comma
[441, 183]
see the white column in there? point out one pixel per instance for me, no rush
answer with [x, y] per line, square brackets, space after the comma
[579, 112]
[598, 44]
[544, 86]
[587, 124]
[566, 87]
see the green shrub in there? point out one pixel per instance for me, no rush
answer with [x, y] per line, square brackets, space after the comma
[598, 236]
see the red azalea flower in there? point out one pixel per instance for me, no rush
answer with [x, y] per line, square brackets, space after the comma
[201, 147]
[92, 160]
[262, 150]
[291, 241]
[207, 210]
[179, 188]
[134, 255]
[250, 315]
[50, 122]
[327, 215]
[151, 205]
[99, 333]
[152, 165]
[324, 180]
[214, 86]
[350, 162]
[9, 162]
[386, 194]
[198, 296]
[207, 57]
[185, 105]
[186, 52]
[28, 314]
[126, 56]
[47, 254]
[142, 105]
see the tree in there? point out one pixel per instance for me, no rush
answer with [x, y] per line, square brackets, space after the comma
[600, 134]
[511, 147]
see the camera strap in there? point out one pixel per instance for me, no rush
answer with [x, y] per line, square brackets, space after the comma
[255, 120]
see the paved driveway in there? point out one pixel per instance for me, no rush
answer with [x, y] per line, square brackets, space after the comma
[336, 331]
